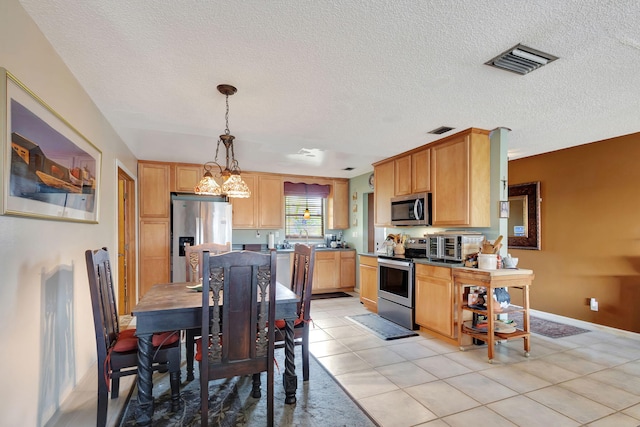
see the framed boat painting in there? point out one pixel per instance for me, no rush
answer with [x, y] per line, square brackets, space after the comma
[49, 169]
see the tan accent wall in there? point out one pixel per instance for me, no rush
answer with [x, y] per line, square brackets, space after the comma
[590, 218]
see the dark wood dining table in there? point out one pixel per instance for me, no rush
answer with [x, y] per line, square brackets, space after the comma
[173, 306]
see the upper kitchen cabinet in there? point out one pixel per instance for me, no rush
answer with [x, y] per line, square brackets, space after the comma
[264, 209]
[338, 205]
[383, 192]
[270, 202]
[460, 173]
[245, 210]
[402, 175]
[421, 171]
[153, 181]
[186, 177]
[412, 173]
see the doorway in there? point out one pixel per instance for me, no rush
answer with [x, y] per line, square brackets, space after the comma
[126, 242]
[371, 232]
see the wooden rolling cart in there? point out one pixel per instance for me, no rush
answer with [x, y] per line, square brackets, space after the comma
[513, 279]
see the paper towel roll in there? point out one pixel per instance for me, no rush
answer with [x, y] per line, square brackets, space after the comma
[271, 243]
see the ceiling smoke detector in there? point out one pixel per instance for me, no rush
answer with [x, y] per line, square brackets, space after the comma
[521, 59]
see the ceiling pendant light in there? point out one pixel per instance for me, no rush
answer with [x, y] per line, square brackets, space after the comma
[307, 214]
[232, 183]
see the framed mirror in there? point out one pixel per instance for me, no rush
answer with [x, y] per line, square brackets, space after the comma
[524, 216]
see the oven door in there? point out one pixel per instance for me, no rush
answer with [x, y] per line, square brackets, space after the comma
[452, 248]
[395, 281]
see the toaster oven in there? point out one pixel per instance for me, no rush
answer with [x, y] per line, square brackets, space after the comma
[453, 247]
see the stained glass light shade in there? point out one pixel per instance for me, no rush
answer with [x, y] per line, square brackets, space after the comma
[234, 186]
[208, 186]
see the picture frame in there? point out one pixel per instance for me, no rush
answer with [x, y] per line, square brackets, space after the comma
[524, 228]
[49, 169]
[504, 209]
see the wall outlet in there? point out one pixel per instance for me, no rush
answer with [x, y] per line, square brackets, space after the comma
[277, 234]
[594, 304]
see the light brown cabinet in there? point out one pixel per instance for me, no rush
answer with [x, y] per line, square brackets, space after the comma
[369, 282]
[456, 170]
[325, 273]
[383, 192]
[402, 175]
[244, 214]
[347, 269]
[186, 177]
[155, 206]
[435, 299]
[270, 202]
[338, 206]
[264, 209]
[460, 180]
[334, 271]
[412, 173]
[421, 171]
[153, 181]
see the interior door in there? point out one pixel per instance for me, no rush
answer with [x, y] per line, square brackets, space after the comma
[126, 243]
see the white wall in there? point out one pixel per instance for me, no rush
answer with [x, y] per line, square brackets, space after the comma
[47, 336]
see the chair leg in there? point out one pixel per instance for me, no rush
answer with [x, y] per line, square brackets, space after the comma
[190, 340]
[115, 384]
[255, 391]
[103, 399]
[270, 392]
[204, 399]
[174, 378]
[305, 354]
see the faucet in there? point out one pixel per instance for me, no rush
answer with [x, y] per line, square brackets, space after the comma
[307, 232]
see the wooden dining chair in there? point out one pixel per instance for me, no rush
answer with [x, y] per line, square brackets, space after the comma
[118, 349]
[193, 256]
[302, 285]
[240, 342]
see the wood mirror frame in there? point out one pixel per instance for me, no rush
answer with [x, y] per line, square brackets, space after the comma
[527, 197]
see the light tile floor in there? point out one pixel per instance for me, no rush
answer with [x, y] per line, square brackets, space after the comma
[591, 379]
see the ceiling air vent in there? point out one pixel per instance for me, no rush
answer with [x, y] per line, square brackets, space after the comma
[521, 59]
[441, 130]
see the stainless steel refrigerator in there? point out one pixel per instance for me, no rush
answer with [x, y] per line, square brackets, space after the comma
[196, 220]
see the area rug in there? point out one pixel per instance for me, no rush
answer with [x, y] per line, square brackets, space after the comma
[320, 402]
[548, 328]
[330, 295]
[385, 329]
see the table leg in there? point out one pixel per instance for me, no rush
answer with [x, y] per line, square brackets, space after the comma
[490, 319]
[145, 384]
[289, 378]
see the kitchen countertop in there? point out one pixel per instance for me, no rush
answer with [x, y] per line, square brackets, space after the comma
[317, 250]
[425, 261]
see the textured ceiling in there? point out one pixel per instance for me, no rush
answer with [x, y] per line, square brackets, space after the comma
[325, 85]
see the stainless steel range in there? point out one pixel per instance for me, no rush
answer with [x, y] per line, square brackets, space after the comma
[396, 300]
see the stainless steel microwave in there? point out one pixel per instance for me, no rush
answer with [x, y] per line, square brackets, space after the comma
[414, 209]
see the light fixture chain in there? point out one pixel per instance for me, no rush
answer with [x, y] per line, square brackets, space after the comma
[226, 118]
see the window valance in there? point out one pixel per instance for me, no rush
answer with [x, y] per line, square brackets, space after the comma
[309, 190]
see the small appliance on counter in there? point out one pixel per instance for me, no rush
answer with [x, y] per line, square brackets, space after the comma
[453, 247]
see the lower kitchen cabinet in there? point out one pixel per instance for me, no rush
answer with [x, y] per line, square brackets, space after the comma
[334, 271]
[369, 282]
[435, 299]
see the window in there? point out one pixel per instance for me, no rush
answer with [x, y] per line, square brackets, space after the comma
[295, 224]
